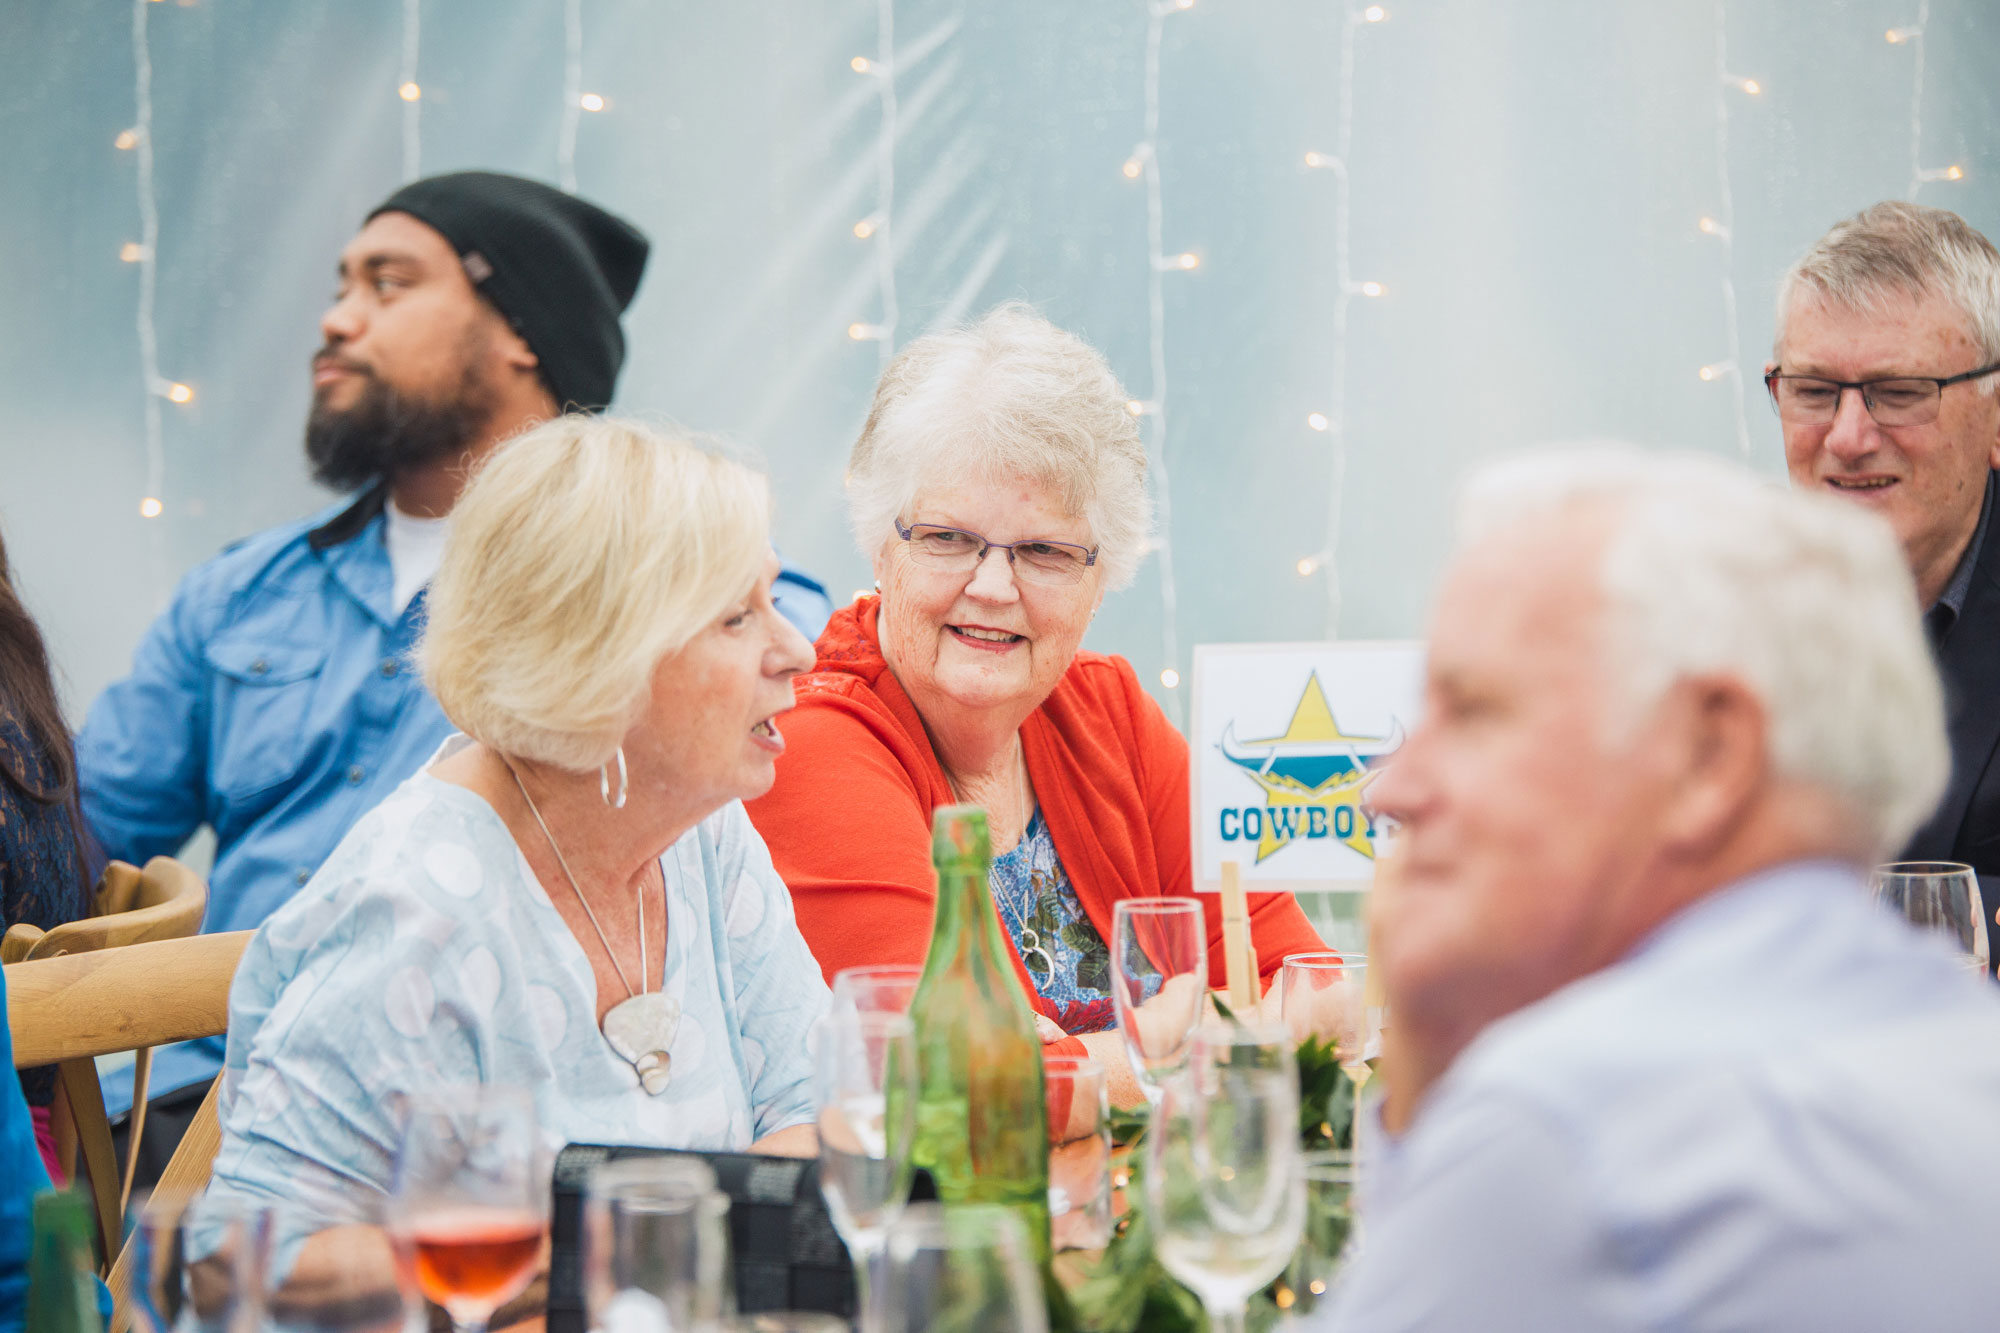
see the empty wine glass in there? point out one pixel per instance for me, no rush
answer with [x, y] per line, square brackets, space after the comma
[471, 1199]
[1159, 961]
[1312, 1271]
[1325, 995]
[963, 1269]
[1940, 896]
[864, 1079]
[1224, 1179]
[656, 1245]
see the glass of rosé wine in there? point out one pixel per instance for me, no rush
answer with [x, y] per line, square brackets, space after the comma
[470, 1212]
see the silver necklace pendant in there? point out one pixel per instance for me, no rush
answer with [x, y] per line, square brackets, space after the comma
[641, 1029]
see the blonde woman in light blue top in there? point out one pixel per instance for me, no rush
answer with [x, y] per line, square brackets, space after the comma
[569, 898]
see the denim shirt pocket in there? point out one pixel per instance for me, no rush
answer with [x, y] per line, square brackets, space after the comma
[261, 699]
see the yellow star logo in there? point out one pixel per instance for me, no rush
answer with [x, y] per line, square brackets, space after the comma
[1312, 777]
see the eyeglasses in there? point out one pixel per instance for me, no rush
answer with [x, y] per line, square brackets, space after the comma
[1903, 400]
[959, 552]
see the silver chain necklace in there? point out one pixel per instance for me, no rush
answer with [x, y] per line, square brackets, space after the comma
[640, 1027]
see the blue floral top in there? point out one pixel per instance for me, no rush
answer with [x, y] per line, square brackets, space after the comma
[1064, 954]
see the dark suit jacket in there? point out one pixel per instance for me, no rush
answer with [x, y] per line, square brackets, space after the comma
[1966, 825]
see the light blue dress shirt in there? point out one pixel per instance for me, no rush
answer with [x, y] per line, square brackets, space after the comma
[274, 700]
[1777, 1113]
[426, 953]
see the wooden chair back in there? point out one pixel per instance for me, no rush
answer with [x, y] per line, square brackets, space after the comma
[165, 901]
[72, 1008]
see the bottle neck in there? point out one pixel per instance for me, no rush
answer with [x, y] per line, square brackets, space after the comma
[968, 929]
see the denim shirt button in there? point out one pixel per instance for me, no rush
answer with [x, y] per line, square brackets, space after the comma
[259, 667]
[354, 774]
[389, 666]
[301, 875]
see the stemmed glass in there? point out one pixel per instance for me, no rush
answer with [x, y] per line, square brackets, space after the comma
[884, 988]
[966, 1269]
[471, 1202]
[1159, 978]
[864, 1080]
[1941, 896]
[1225, 1180]
[1326, 995]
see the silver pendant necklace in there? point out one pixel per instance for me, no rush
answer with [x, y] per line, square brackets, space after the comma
[640, 1027]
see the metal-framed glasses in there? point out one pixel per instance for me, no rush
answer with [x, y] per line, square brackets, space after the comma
[1900, 400]
[957, 551]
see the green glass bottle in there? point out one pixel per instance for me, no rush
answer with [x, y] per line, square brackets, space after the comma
[982, 1124]
[62, 1291]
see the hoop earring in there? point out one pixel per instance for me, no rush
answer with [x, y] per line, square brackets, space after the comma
[604, 782]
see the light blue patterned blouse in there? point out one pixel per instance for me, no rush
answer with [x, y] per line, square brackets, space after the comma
[425, 952]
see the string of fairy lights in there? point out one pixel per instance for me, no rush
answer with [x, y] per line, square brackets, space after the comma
[879, 226]
[411, 91]
[1333, 420]
[1913, 37]
[145, 253]
[1721, 225]
[1144, 163]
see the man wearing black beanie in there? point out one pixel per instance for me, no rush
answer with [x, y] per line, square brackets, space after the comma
[273, 700]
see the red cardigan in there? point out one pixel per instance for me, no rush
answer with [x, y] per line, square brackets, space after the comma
[848, 821]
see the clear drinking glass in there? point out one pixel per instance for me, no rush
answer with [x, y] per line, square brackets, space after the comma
[1941, 896]
[865, 1081]
[884, 988]
[1079, 1153]
[193, 1265]
[1325, 995]
[329, 1278]
[471, 1196]
[1329, 1224]
[965, 1269]
[1224, 1176]
[656, 1245]
[1159, 980]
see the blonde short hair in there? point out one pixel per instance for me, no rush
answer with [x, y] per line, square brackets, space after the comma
[582, 553]
[1009, 396]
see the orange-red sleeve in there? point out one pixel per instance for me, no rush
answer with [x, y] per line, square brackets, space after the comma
[849, 832]
[1277, 925]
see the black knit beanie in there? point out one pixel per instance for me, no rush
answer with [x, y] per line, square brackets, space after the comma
[560, 270]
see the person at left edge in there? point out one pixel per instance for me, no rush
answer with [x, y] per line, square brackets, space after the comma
[273, 700]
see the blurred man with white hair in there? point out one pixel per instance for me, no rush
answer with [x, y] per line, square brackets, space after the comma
[1900, 305]
[1669, 1066]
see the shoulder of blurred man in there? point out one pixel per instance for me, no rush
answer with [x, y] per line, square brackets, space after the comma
[1748, 1078]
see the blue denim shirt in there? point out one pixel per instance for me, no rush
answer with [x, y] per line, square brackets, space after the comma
[274, 701]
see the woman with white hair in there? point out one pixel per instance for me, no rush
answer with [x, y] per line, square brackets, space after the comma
[569, 898]
[999, 490]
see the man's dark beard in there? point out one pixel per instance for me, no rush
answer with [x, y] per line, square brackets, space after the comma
[386, 433]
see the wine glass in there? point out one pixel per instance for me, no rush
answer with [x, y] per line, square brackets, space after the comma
[1329, 1225]
[656, 1244]
[1159, 960]
[864, 1080]
[327, 1277]
[1325, 995]
[1225, 1183]
[966, 1269]
[1941, 896]
[471, 1202]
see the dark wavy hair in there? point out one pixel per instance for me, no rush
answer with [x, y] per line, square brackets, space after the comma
[28, 694]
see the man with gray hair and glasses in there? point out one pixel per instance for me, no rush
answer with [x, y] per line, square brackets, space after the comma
[1884, 377]
[1658, 1062]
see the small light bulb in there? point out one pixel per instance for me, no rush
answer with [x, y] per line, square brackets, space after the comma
[1132, 168]
[1307, 566]
[180, 393]
[127, 139]
[1135, 407]
[1707, 224]
[864, 229]
[590, 102]
[1708, 372]
[1317, 421]
[1183, 4]
[1170, 677]
[1187, 260]
[1316, 159]
[409, 92]
[858, 332]
[1374, 13]
[131, 252]
[149, 508]
[1954, 173]
[861, 64]
[1752, 87]
[1371, 289]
